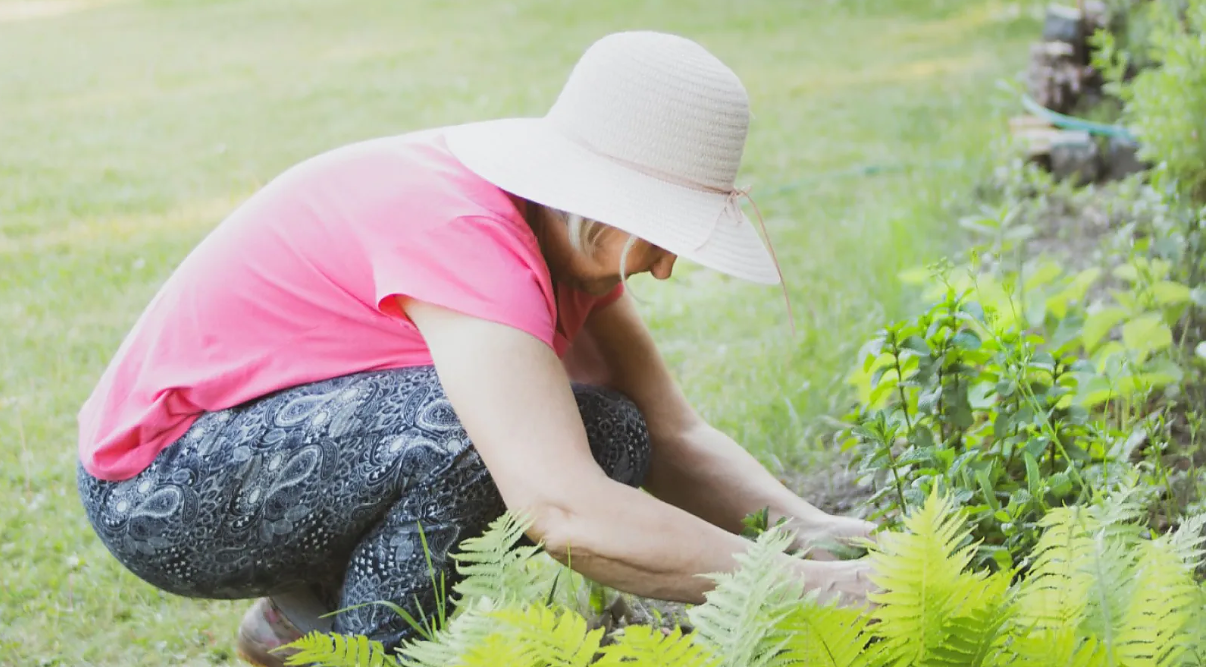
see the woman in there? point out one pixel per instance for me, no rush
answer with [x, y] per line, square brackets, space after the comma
[432, 328]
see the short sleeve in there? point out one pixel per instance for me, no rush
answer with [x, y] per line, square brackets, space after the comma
[481, 266]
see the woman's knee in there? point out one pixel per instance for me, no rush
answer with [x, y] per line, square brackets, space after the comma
[618, 434]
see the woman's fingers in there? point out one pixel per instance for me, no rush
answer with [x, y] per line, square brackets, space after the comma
[833, 534]
[847, 581]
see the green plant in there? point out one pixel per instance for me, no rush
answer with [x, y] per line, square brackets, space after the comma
[1164, 105]
[1100, 592]
[1027, 382]
[963, 400]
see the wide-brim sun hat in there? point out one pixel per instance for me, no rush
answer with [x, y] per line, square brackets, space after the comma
[646, 136]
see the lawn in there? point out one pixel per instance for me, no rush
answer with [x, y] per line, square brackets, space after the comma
[129, 129]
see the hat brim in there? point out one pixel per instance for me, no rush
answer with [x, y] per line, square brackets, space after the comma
[529, 158]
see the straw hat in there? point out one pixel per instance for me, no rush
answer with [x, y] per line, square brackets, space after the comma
[647, 137]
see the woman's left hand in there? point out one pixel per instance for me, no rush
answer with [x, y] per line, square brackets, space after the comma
[826, 530]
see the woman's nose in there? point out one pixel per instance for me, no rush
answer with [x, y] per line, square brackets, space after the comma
[663, 267]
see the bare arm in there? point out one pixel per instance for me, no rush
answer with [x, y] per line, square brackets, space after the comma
[695, 466]
[515, 402]
[513, 397]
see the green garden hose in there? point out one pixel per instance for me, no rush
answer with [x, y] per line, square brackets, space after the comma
[1073, 123]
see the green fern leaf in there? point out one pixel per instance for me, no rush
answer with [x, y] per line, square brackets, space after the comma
[741, 620]
[496, 650]
[334, 650]
[975, 634]
[467, 629]
[546, 639]
[1156, 628]
[495, 568]
[1056, 594]
[1188, 541]
[1054, 599]
[932, 609]
[825, 636]
[1109, 564]
[642, 645]
[1195, 655]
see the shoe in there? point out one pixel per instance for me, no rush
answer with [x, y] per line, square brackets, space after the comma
[263, 629]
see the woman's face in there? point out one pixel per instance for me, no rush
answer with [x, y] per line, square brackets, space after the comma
[598, 272]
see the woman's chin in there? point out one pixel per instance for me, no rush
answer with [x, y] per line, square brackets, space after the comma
[599, 288]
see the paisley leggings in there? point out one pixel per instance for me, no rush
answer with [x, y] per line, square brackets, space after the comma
[323, 486]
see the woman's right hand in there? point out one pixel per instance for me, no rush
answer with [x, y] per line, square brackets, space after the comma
[847, 580]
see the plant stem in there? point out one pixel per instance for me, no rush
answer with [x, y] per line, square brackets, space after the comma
[904, 403]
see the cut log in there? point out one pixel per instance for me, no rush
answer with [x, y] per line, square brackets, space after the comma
[1097, 16]
[1055, 77]
[1122, 158]
[1074, 155]
[1064, 24]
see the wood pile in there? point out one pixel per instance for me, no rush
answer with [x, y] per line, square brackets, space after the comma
[1061, 78]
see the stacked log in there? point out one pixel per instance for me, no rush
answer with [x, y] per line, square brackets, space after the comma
[1061, 78]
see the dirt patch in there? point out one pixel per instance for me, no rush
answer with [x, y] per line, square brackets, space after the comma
[832, 487]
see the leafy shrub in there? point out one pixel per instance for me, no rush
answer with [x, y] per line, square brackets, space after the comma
[1100, 593]
[1029, 381]
[1165, 105]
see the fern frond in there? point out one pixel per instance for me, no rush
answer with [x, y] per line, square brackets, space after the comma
[1054, 598]
[495, 568]
[1195, 656]
[974, 635]
[1189, 539]
[1119, 509]
[1156, 630]
[928, 594]
[740, 622]
[825, 636]
[496, 650]
[643, 645]
[1056, 593]
[467, 629]
[335, 650]
[1109, 564]
[539, 637]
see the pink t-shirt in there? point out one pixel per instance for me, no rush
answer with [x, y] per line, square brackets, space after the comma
[298, 285]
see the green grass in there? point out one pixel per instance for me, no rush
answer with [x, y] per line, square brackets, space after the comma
[129, 129]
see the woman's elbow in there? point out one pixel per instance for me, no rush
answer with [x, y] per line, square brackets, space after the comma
[559, 529]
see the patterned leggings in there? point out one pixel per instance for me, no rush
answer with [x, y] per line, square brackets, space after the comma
[322, 486]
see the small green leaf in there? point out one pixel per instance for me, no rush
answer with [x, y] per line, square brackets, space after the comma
[882, 390]
[961, 460]
[980, 224]
[966, 340]
[1170, 293]
[986, 488]
[1146, 334]
[916, 344]
[1059, 484]
[1097, 325]
[923, 439]
[1020, 233]
[1042, 275]
[975, 310]
[1126, 272]
[870, 352]
[756, 523]
[1034, 480]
